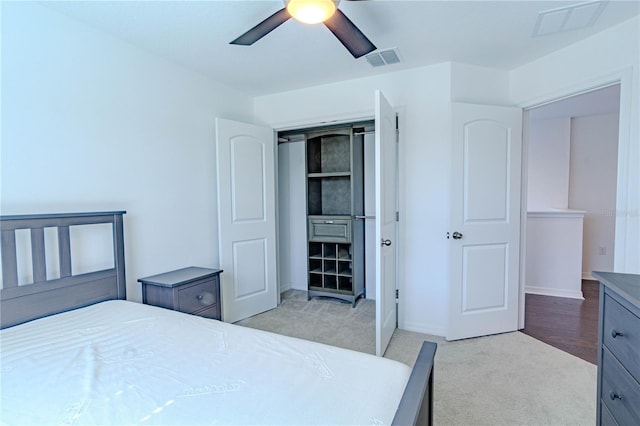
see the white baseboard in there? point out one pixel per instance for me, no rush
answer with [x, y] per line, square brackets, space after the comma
[422, 328]
[587, 276]
[284, 287]
[546, 291]
[299, 286]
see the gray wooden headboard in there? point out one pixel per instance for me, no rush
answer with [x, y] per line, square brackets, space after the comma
[43, 297]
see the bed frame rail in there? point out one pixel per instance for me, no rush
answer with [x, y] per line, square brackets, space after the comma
[416, 405]
[42, 297]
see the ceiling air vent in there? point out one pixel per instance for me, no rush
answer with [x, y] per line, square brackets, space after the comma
[568, 18]
[383, 57]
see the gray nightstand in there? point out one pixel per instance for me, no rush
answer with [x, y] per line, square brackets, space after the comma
[191, 290]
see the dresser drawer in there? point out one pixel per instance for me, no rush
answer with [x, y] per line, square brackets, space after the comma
[197, 296]
[626, 346]
[620, 391]
[330, 230]
[606, 418]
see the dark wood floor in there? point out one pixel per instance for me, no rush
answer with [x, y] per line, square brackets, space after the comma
[567, 324]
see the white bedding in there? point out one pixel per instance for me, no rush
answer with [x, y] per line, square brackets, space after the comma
[121, 362]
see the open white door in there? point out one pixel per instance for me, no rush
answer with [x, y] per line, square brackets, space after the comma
[246, 215]
[485, 220]
[386, 241]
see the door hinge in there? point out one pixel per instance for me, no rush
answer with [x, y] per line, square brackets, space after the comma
[397, 293]
[397, 216]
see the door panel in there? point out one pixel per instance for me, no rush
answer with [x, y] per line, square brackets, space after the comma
[486, 184]
[385, 178]
[484, 292]
[485, 214]
[246, 215]
[249, 262]
[247, 189]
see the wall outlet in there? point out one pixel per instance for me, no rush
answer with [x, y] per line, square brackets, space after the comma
[602, 251]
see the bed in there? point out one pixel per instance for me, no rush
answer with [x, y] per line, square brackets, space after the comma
[75, 351]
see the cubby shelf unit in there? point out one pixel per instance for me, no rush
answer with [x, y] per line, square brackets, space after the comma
[335, 178]
[331, 267]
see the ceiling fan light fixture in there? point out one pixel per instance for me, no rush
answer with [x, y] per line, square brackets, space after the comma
[311, 11]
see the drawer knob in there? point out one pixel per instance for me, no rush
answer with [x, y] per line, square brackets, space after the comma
[615, 333]
[614, 396]
[206, 298]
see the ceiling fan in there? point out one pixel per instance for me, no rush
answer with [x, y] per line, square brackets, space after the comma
[313, 12]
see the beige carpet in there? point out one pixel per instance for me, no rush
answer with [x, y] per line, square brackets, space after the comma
[506, 379]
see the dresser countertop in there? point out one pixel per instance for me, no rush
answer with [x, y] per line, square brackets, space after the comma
[626, 285]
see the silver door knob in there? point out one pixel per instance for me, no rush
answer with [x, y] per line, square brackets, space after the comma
[384, 242]
[457, 235]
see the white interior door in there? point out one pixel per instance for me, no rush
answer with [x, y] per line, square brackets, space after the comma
[386, 241]
[485, 220]
[246, 215]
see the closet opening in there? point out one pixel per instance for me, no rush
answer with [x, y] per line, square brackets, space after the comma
[326, 196]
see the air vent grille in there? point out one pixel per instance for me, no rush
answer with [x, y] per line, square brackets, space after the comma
[568, 18]
[383, 57]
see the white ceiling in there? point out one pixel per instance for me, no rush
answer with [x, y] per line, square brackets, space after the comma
[196, 34]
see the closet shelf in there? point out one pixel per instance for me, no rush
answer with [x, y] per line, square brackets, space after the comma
[329, 174]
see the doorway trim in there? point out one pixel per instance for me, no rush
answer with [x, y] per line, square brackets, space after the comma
[624, 79]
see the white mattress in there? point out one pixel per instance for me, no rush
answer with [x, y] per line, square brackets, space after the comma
[123, 363]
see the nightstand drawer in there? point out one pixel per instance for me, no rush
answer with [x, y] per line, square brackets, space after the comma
[197, 296]
[213, 312]
[620, 392]
[621, 335]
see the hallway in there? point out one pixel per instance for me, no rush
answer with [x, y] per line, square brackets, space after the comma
[567, 324]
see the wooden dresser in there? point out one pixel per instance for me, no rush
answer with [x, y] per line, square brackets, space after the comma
[190, 290]
[618, 349]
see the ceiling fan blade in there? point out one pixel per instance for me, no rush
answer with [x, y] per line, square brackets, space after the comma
[349, 35]
[263, 28]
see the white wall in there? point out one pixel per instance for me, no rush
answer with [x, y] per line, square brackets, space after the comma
[554, 253]
[594, 155]
[292, 230]
[92, 123]
[611, 55]
[284, 217]
[474, 84]
[548, 164]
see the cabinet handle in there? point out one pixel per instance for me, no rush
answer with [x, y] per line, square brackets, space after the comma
[328, 221]
[614, 396]
[206, 298]
[615, 333]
